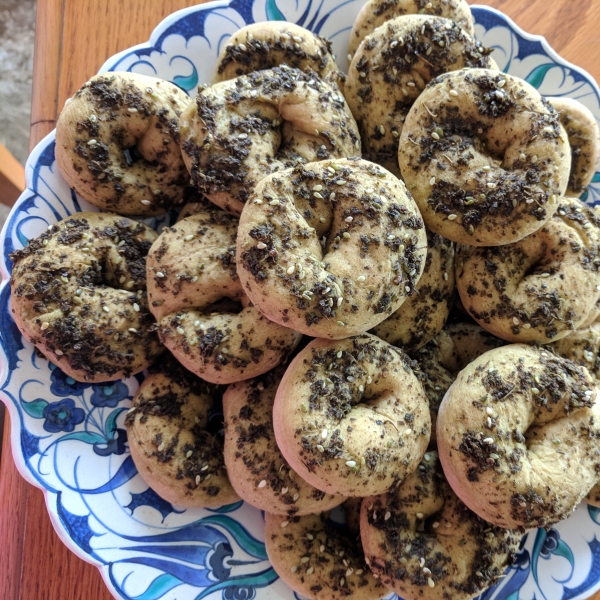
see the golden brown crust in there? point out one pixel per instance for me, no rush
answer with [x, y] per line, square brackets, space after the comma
[422, 316]
[484, 156]
[350, 416]
[117, 143]
[423, 542]
[203, 314]
[584, 138]
[79, 295]
[319, 560]
[330, 248]
[269, 44]
[175, 449]
[540, 288]
[239, 131]
[517, 436]
[376, 12]
[257, 469]
[390, 69]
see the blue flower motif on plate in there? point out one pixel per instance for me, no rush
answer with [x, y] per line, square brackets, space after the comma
[71, 440]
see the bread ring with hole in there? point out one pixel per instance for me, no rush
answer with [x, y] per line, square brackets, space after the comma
[484, 156]
[174, 448]
[332, 248]
[269, 44]
[423, 542]
[540, 288]
[584, 137]
[517, 435]
[203, 315]
[422, 316]
[258, 471]
[350, 416]
[320, 559]
[79, 295]
[117, 143]
[239, 131]
[437, 363]
[391, 68]
[376, 13]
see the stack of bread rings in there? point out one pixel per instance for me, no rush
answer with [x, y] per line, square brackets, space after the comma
[390, 271]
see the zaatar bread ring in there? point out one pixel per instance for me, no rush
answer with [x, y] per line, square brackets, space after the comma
[319, 559]
[258, 471]
[239, 131]
[518, 434]
[584, 138]
[330, 248]
[170, 439]
[265, 45]
[438, 362]
[540, 288]
[204, 318]
[117, 143]
[582, 347]
[390, 69]
[484, 156]
[350, 417]
[423, 542]
[422, 316]
[375, 13]
[79, 295]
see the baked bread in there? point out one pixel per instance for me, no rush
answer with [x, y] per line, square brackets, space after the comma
[175, 447]
[319, 559]
[390, 69]
[269, 44]
[584, 137]
[117, 143]
[484, 156]
[540, 288]
[517, 436]
[257, 469]
[350, 417]
[237, 132]
[376, 12]
[421, 316]
[204, 317]
[332, 248]
[423, 542]
[79, 295]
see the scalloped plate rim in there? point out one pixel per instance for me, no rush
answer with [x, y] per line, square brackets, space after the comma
[50, 497]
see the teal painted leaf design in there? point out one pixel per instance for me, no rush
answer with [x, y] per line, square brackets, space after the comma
[536, 76]
[110, 425]
[160, 586]
[35, 408]
[538, 544]
[594, 513]
[273, 12]
[241, 535]
[84, 436]
[514, 596]
[564, 551]
[262, 579]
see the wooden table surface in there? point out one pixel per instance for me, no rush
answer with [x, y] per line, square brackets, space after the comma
[73, 39]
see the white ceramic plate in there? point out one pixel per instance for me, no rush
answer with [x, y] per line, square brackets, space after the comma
[68, 438]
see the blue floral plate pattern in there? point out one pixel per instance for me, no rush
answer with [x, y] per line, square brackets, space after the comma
[69, 440]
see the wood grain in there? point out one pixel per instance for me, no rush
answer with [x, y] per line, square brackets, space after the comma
[12, 177]
[73, 39]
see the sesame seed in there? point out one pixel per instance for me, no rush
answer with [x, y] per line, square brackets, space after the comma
[341, 323]
[361, 278]
[324, 433]
[180, 330]
[453, 93]
[411, 84]
[304, 559]
[274, 202]
[387, 516]
[106, 309]
[136, 307]
[284, 524]
[242, 136]
[132, 110]
[408, 432]
[351, 463]
[382, 130]
[420, 516]
[320, 448]
[488, 440]
[146, 202]
[544, 274]
[189, 238]
[426, 571]
[261, 245]
[349, 219]
[431, 582]
[342, 582]
[407, 288]
[451, 217]
[435, 135]
[294, 567]
[346, 235]
[92, 142]
[435, 524]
